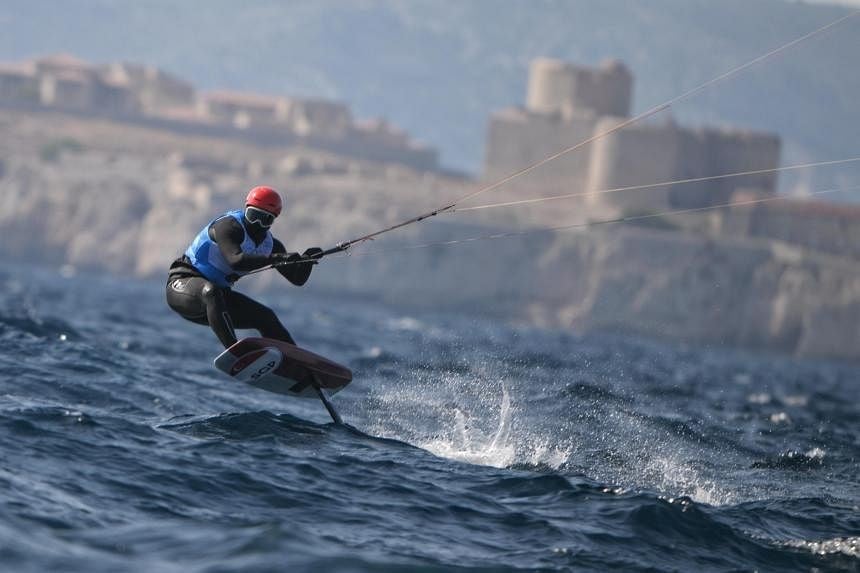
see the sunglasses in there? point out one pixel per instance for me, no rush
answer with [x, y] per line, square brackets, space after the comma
[263, 218]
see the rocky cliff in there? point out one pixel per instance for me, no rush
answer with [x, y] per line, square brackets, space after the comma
[686, 287]
[100, 196]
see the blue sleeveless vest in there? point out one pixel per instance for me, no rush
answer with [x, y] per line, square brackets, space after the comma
[207, 258]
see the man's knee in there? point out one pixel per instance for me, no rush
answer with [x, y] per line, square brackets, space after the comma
[211, 294]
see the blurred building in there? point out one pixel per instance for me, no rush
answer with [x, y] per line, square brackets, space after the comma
[19, 83]
[316, 116]
[243, 110]
[568, 104]
[156, 90]
[144, 94]
[67, 82]
[304, 117]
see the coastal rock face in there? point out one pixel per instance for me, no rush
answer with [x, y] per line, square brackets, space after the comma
[129, 202]
[722, 291]
[669, 285]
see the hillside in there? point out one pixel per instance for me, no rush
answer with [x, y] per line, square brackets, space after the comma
[439, 72]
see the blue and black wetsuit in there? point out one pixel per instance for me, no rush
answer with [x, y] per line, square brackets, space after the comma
[199, 283]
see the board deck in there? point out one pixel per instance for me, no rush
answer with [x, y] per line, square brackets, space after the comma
[282, 368]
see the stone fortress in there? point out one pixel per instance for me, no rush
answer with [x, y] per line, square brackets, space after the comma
[145, 95]
[567, 104]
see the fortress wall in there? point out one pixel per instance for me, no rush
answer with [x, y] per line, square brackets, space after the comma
[607, 90]
[737, 151]
[707, 152]
[517, 139]
[637, 155]
[693, 162]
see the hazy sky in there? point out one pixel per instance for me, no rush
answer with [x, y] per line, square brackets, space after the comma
[843, 2]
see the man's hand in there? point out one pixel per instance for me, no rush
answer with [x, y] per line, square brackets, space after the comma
[312, 255]
[283, 259]
[296, 268]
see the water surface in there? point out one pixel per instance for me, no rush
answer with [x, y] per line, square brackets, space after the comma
[470, 446]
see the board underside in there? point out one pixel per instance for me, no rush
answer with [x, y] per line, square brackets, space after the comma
[282, 368]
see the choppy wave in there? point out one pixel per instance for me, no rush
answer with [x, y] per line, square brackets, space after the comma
[470, 446]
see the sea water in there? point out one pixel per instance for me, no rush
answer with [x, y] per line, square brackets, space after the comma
[470, 445]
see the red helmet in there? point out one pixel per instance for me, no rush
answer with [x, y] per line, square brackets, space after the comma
[264, 198]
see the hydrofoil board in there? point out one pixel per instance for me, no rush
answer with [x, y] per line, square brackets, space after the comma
[282, 368]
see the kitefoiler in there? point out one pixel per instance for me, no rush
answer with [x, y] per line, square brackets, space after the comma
[200, 289]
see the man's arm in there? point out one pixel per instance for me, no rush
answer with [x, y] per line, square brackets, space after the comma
[229, 235]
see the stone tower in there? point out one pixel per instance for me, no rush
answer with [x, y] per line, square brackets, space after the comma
[560, 88]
